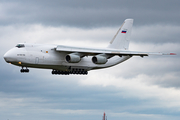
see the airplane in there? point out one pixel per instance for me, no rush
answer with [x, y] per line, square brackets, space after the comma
[66, 60]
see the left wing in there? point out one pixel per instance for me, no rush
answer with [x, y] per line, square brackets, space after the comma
[96, 51]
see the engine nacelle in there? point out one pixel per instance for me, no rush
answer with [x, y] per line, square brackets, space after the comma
[73, 58]
[98, 59]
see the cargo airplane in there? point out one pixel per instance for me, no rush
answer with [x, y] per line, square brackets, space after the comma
[65, 60]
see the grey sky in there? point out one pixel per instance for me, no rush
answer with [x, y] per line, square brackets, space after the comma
[89, 13]
[140, 88]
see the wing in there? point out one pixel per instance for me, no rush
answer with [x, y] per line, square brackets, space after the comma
[96, 51]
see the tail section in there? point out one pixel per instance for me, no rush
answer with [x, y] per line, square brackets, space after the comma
[122, 38]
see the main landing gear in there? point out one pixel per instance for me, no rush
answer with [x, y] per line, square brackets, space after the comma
[76, 72]
[24, 70]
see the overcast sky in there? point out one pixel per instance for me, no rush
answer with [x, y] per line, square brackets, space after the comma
[140, 88]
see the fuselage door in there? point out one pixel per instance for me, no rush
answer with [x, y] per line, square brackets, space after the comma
[36, 60]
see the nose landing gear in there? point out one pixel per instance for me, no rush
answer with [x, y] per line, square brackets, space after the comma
[24, 70]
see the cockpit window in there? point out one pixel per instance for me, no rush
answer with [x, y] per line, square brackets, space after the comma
[20, 45]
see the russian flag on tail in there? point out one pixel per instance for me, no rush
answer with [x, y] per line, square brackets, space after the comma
[123, 31]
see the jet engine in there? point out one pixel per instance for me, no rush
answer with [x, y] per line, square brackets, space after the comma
[98, 59]
[73, 58]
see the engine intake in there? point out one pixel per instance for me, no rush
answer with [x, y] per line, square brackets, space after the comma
[98, 59]
[73, 58]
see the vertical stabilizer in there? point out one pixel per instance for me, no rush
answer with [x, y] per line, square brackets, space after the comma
[122, 37]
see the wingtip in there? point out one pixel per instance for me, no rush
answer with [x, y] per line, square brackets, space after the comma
[172, 53]
[169, 54]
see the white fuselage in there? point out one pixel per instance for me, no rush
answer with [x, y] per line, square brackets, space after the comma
[46, 57]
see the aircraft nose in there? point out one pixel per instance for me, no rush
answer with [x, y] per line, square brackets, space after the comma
[9, 56]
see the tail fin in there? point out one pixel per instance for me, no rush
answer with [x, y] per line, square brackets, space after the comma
[121, 40]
